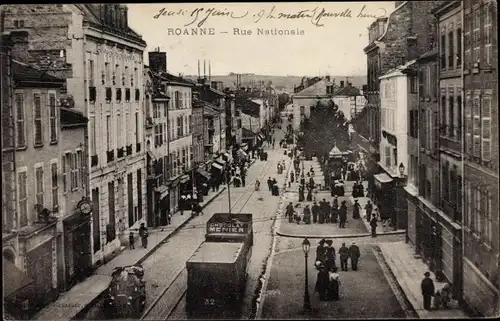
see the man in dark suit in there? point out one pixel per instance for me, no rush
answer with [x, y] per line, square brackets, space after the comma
[427, 290]
[354, 254]
[344, 256]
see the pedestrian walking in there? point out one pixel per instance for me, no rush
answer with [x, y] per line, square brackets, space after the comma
[315, 212]
[354, 254]
[427, 287]
[355, 210]
[243, 180]
[342, 215]
[330, 255]
[131, 240]
[335, 214]
[307, 214]
[344, 257]
[292, 177]
[368, 209]
[289, 212]
[321, 251]
[143, 233]
[323, 211]
[333, 290]
[373, 224]
[269, 183]
[322, 281]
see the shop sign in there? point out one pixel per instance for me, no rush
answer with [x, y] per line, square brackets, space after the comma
[228, 227]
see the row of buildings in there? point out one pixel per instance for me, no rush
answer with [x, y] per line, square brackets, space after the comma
[94, 142]
[434, 64]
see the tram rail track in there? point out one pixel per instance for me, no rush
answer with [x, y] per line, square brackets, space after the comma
[170, 296]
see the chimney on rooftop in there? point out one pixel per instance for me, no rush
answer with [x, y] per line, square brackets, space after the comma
[341, 84]
[20, 45]
[158, 61]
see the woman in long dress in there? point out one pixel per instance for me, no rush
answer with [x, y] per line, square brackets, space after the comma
[332, 292]
[322, 282]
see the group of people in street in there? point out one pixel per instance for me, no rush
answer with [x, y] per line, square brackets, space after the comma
[323, 213]
[328, 280]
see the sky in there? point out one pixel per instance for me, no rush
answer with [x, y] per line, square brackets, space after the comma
[329, 39]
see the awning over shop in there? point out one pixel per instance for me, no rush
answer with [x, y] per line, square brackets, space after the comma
[184, 179]
[162, 190]
[216, 165]
[242, 153]
[221, 161]
[381, 179]
[228, 156]
[260, 137]
[336, 152]
[203, 173]
[13, 279]
[244, 146]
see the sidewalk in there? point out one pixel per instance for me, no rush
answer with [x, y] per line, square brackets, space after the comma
[409, 272]
[71, 303]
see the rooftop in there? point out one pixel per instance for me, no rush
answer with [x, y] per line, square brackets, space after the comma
[27, 74]
[216, 252]
[317, 89]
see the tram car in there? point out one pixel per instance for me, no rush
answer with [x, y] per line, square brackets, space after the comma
[217, 270]
[126, 294]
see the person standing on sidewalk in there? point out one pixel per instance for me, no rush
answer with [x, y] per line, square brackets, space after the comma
[321, 251]
[355, 210]
[354, 254]
[427, 290]
[368, 209]
[143, 233]
[289, 212]
[269, 184]
[307, 215]
[344, 257]
[342, 215]
[373, 224]
[315, 212]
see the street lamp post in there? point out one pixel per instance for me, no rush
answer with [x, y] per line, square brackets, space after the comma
[306, 245]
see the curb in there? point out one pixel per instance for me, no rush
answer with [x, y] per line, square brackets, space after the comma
[175, 230]
[339, 236]
[410, 310]
[264, 276]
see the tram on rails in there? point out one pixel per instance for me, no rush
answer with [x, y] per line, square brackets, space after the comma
[217, 271]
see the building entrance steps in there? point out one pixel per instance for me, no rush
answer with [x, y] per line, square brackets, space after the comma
[409, 272]
[85, 293]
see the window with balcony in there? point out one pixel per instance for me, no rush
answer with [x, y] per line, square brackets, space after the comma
[451, 54]
[451, 115]
[109, 94]
[37, 116]
[443, 113]
[442, 51]
[118, 94]
[127, 94]
[476, 123]
[468, 123]
[488, 49]
[459, 48]
[476, 36]
[486, 128]
[20, 121]
[23, 198]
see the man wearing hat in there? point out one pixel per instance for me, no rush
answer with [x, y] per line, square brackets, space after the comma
[344, 256]
[315, 212]
[342, 215]
[321, 251]
[307, 215]
[354, 254]
[427, 290]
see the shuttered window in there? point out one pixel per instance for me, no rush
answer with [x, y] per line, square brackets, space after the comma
[37, 118]
[486, 128]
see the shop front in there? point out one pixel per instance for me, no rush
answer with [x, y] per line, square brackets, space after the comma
[174, 194]
[77, 251]
[202, 181]
[242, 155]
[37, 246]
[412, 204]
[161, 200]
[14, 282]
[217, 171]
[389, 196]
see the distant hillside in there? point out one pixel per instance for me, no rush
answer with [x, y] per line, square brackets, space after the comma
[286, 81]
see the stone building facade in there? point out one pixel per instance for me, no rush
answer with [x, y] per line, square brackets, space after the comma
[480, 158]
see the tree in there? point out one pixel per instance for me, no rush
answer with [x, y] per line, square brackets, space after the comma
[283, 99]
